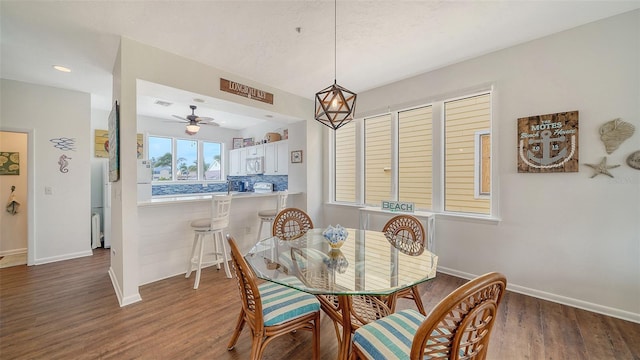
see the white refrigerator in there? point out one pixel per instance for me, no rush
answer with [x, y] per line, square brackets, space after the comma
[145, 175]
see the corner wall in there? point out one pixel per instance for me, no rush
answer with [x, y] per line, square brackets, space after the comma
[57, 227]
[564, 237]
[137, 61]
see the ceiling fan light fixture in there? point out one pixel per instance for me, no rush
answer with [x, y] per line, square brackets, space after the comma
[192, 129]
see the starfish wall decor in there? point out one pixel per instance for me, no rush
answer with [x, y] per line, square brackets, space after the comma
[602, 168]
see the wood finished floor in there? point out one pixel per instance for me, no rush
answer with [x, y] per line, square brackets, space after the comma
[68, 310]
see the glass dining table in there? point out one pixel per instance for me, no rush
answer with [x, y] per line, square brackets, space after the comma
[366, 264]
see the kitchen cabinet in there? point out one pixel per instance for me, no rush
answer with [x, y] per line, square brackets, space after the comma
[276, 158]
[255, 151]
[237, 161]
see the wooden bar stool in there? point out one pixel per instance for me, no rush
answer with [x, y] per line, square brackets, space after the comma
[267, 216]
[214, 226]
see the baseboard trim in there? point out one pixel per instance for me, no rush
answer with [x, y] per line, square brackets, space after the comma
[576, 303]
[13, 252]
[62, 257]
[123, 301]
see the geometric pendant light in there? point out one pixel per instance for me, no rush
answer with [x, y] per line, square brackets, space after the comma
[335, 105]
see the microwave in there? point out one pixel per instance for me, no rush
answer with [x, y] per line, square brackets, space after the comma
[255, 165]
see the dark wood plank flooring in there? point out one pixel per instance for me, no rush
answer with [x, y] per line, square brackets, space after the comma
[68, 310]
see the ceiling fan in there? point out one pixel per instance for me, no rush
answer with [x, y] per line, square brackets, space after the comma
[194, 121]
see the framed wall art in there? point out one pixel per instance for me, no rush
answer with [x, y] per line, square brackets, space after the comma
[9, 163]
[101, 143]
[247, 142]
[114, 143]
[548, 143]
[296, 156]
[237, 143]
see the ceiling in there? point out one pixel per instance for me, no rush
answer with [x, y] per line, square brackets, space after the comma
[288, 45]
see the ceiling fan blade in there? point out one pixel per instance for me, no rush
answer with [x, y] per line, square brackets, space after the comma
[209, 123]
[204, 119]
[180, 117]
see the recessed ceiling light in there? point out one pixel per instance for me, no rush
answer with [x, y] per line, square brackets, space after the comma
[62, 68]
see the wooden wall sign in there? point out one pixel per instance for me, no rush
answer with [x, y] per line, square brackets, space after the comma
[548, 143]
[245, 91]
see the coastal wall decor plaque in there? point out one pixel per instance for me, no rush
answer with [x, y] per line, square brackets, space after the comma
[615, 132]
[102, 144]
[548, 143]
[246, 91]
[633, 160]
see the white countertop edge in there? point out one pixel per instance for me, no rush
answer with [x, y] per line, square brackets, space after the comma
[183, 199]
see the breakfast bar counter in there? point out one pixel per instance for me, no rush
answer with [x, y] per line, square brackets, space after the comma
[165, 235]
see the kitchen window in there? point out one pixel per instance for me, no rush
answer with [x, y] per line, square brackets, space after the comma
[175, 159]
[399, 156]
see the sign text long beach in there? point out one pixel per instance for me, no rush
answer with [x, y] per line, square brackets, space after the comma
[246, 91]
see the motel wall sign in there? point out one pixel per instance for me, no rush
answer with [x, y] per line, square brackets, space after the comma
[548, 143]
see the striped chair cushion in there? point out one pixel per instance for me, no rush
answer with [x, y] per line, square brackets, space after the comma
[389, 337]
[281, 304]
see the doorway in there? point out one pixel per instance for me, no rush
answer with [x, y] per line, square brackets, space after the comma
[14, 194]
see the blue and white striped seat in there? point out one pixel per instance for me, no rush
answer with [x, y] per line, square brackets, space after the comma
[281, 304]
[461, 322]
[390, 337]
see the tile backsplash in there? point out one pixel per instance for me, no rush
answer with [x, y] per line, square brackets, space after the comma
[280, 183]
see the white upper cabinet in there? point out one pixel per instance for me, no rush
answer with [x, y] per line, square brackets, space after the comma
[237, 160]
[255, 151]
[276, 158]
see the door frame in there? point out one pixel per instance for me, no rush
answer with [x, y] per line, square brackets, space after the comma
[31, 243]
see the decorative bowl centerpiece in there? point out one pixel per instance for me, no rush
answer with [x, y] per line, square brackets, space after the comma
[335, 236]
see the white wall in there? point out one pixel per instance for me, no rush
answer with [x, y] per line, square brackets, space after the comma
[61, 221]
[13, 228]
[562, 236]
[137, 61]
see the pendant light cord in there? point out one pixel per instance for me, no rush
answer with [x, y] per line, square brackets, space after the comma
[335, 41]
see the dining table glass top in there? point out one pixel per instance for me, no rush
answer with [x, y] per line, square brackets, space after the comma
[366, 263]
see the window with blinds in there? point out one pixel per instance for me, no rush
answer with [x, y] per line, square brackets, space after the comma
[463, 118]
[377, 159]
[345, 163]
[415, 151]
[391, 157]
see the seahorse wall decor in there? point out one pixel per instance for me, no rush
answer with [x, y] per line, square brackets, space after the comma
[614, 133]
[64, 163]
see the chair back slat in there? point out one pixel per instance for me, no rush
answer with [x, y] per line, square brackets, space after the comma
[291, 223]
[220, 210]
[247, 286]
[281, 201]
[460, 325]
[405, 233]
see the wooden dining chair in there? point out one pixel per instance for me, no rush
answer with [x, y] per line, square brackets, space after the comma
[271, 309]
[291, 223]
[459, 327]
[406, 233]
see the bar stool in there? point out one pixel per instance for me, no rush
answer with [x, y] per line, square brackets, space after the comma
[214, 225]
[267, 216]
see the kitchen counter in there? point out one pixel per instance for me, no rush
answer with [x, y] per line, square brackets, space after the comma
[166, 237]
[173, 199]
